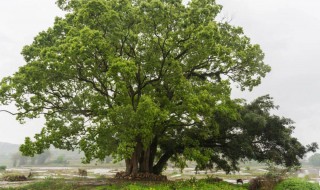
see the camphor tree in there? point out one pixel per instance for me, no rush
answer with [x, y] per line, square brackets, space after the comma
[147, 81]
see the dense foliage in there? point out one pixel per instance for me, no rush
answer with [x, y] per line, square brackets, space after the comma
[148, 81]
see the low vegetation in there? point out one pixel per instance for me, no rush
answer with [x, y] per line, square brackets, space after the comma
[3, 168]
[48, 184]
[14, 177]
[297, 184]
[191, 184]
[179, 185]
[53, 184]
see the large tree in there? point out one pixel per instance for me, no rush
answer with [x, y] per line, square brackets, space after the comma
[144, 81]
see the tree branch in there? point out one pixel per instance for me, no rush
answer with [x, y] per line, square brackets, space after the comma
[9, 112]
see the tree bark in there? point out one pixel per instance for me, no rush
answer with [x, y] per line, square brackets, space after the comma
[147, 158]
[142, 160]
[153, 151]
[132, 164]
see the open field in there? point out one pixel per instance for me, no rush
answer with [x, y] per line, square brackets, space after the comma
[110, 184]
[102, 178]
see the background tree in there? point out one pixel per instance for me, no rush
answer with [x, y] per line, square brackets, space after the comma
[61, 160]
[314, 160]
[15, 158]
[143, 81]
[43, 157]
[18, 159]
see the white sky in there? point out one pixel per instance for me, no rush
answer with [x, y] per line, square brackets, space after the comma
[287, 30]
[20, 22]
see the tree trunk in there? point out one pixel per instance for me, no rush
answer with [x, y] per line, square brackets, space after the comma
[132, 164]
[158, 168]
[142, 159]
[153, 151]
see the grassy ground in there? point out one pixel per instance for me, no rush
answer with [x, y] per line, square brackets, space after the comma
[96, 181]
[54, 184]
[297, 184]
[191, 184]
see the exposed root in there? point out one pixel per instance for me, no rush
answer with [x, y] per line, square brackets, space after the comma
[141, 176]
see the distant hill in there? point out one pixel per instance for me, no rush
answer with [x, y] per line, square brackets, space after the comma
[8, 148]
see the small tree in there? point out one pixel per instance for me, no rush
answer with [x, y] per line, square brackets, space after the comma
[60, 160]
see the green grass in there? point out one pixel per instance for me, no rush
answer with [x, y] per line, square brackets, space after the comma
[54, 184]
[297, 184]
[45, 185]
[199, 185]
[192, 184]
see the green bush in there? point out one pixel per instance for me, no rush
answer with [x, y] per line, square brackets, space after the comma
[297, 184]
[2, 168]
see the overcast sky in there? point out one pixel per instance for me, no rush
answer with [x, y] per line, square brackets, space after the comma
[287, 30]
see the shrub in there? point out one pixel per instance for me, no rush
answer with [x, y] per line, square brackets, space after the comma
[269, 181]
[275, 172]
[211, 179]
[14, 177]
[297, 184]
[2, 168]
[264, 183]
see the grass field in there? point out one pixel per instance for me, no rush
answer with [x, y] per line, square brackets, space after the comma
[55, 184]
[192, 184]
[65, 178]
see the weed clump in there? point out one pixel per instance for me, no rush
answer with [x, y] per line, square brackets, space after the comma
[14, 177]
[3, 168]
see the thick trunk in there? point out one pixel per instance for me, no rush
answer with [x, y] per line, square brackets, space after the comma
[153, 151]
[132, 164]
[158, 168]
[142, 159]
